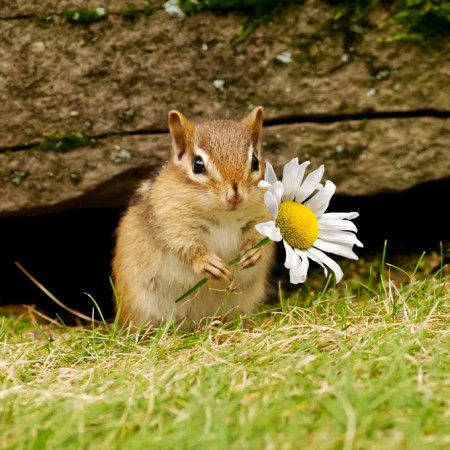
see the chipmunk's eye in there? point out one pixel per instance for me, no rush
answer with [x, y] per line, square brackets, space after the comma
[198, 166]
[255, 163]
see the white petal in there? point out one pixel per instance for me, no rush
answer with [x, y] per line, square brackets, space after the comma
[291, 257]
[310, 184]
[270, 176]
[290, 179]
[271, 203]
[337, 249]
[298, 275]
[269, 230]
[335, 224]
[313, 258]
[318, 204]
[340, 237]
[295, 264]
[263, 184]
[334, 215]
[301, 171]
[294, 275]
[319, 255]
[277, 190]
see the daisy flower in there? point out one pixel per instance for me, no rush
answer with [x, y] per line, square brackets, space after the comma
[298, 208]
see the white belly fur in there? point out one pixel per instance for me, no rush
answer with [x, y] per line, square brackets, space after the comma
[214, 298]
[226, 239]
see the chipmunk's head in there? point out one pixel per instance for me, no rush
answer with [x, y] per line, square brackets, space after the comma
[220, 159]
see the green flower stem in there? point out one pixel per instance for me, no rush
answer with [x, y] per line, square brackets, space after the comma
[192, 289]
[259, 244]
[230, 263]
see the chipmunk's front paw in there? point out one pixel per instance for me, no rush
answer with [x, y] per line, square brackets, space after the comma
[211, 266]
[251, 257]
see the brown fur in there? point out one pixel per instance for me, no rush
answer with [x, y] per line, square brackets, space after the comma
[185, 226]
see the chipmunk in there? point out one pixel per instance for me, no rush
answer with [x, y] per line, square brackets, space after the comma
[198, 214]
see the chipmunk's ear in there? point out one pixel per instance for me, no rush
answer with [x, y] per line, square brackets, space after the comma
[182, 132]
[254, 123]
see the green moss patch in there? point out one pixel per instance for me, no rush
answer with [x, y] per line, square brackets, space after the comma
[61, 142]
[84, 16]
[133, 12]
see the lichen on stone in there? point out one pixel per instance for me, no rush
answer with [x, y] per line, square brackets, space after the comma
[284, 57]
[219, 84]
[175, 8]
[120, 155]
[17, 176]
[75, 177]
[127, 115]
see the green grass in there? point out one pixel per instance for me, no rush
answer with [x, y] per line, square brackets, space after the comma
[419, 21]
[364, 366]
[423, 21]
[257, 11]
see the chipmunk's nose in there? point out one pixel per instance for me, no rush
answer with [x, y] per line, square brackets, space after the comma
[233, 196]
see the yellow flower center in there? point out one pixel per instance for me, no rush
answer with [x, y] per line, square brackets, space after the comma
[298, 225]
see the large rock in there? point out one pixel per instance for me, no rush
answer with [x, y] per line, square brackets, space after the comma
[116, 79]
[362, 158]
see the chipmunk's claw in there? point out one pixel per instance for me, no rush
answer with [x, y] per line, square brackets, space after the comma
[213, 267]
[251, 257]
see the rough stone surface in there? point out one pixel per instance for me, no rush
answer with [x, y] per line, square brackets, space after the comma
[368, 158]
[102, 174]
[116, 80]
[362, 158]
[23, 8]
[60, 76]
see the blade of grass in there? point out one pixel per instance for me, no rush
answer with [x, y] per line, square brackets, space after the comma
[51, 296]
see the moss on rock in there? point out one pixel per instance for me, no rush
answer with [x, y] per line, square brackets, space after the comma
[63, 141]
[84, 16]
